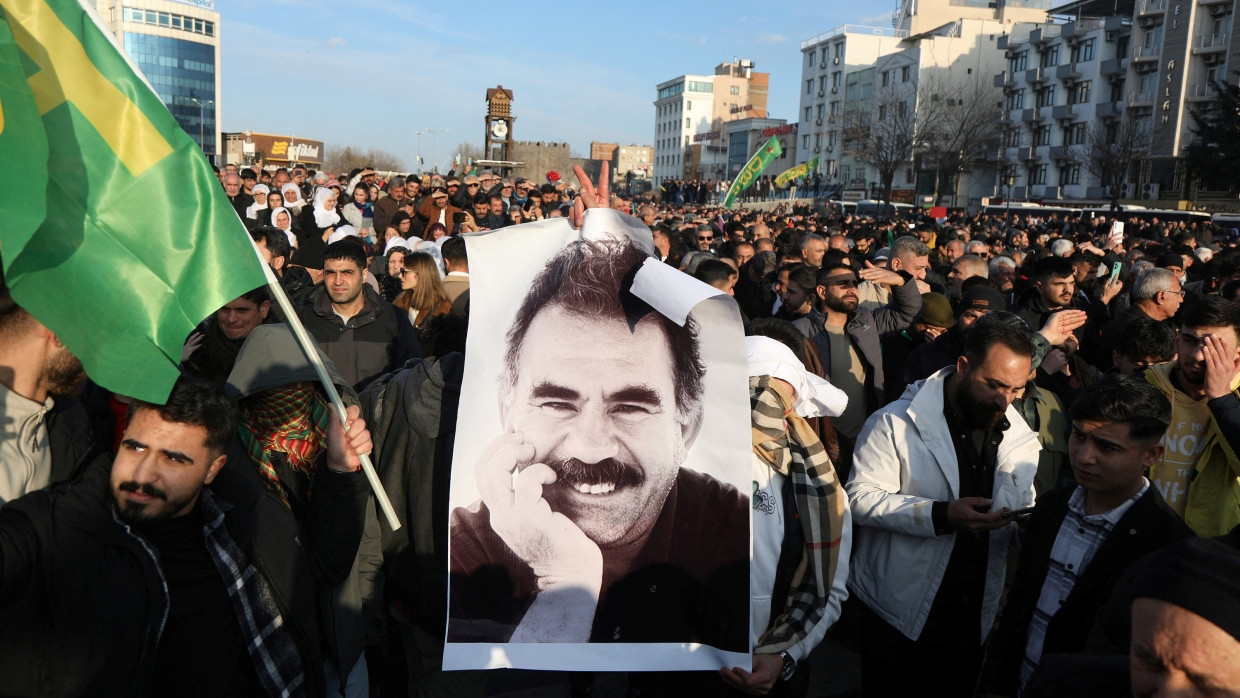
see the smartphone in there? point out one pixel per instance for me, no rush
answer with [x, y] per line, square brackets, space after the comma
[1117, 233]
[1016, 512]
[458, 218]
[1115, 271]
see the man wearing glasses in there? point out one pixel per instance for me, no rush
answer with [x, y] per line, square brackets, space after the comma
[847, 338]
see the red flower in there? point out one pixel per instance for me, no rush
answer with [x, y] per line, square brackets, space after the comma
[553, 177]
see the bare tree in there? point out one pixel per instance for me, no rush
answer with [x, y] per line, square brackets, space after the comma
[882, 134]
[956, 127]
[468, 152]
[342, 159]
[1111, 149]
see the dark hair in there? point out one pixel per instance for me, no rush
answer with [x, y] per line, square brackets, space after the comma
[833, 257]
[820, 278]
[805, 276]
[257, 296]
[547, 189]
[198, 403]
[781, 331]
[1131, 400]
[1212, 311]
[453, 250]
[275, 240]
[1047, 267]
[13, 317]
[713, 271]
[1147, 337]
[480, 199]
[593, 279]
[346, 249]
[995, 329]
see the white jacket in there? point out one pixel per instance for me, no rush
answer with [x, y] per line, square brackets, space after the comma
[904, 462]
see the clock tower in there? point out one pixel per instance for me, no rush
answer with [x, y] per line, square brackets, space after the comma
[498, 126]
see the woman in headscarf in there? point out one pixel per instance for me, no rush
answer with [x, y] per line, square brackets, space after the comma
[282, 219]
[392, 267]
[423, 295]
[259, 192]
[292, 198]
[432, 249]
[322, 216]
[360, 213]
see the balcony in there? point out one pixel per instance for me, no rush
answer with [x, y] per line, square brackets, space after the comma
[1147, 8]
[1047, 32]
[1002, 42]
[1035, 75]
[1114, 66]
[1210, 43]
[1063, 112]
[1109, 110]
[1200, 92]
[1049, 191]
[1067, 71]
[1062, 152]
[1141, 99]
[1031, 115]
[1022, 153]
[1146, 53]
[1117, 24]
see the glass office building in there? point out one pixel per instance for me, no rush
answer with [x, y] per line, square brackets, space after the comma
[176, 46]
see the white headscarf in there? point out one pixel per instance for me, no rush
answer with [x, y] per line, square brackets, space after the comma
[433, 250]
[294, 202]
[252, 210]
[341, 233]
[815, 396]
[292, 239]
[323, 217]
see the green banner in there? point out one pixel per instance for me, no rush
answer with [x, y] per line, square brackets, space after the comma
[117, 235]
[799, 171]
[753, 169]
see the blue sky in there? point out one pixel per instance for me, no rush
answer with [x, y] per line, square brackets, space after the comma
[372, 72]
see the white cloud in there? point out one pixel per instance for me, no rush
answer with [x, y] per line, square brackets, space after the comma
[336, 41]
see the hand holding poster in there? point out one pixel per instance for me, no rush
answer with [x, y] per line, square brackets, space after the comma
[599, 486]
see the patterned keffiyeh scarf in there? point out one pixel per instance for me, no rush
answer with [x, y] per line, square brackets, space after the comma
[785, 441]
[291, 421]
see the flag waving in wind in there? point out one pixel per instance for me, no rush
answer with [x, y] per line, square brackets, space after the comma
[799, 171]
[753, 169]
[117, 235]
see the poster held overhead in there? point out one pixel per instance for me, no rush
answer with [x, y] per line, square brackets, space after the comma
[599, 489]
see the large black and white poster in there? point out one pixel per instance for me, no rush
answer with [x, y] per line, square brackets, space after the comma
[600, 481]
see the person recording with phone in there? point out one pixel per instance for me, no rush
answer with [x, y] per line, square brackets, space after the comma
[1080, 538]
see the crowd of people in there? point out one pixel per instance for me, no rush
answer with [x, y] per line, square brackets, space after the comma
[1009, 455]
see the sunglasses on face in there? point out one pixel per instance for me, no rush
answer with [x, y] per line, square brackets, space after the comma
[705, 237]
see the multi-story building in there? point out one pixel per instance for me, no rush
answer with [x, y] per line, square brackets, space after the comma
[921, 16]
[690, 113]
[176, 45]
[627, 162]
[1132, 70]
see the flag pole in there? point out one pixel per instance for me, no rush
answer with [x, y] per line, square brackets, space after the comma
[309, 348]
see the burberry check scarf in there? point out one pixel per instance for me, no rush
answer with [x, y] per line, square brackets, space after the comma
[785, 441]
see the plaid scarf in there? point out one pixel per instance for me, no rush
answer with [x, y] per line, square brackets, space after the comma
[785, 441]
[291, 421]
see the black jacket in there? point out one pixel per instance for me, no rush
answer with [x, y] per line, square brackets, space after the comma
[82, 597]
[1149, 524]
[376, 340]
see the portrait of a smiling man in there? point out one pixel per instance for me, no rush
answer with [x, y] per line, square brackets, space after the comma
[587, 527]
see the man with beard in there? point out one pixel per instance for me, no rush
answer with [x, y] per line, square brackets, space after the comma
[167, 573]
[46, 435]
[588, 529]
[847, 337]
[934, 475]
[1198, 471]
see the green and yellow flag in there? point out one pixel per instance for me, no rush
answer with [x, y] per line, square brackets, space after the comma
[116, 233]
[753, 169]
[799, 171]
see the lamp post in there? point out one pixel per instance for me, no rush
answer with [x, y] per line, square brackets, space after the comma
[435, 146]
[419, 135]
[201, 110]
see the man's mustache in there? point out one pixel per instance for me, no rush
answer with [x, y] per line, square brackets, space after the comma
[572, 472]
[148, 489]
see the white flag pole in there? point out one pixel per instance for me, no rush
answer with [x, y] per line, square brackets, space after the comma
[312, 355]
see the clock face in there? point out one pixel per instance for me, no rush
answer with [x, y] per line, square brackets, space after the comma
[499, 129]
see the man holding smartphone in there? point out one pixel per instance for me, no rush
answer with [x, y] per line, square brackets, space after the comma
[1081, 538]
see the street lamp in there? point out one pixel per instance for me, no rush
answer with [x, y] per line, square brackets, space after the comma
[201, 108]
[434, 146]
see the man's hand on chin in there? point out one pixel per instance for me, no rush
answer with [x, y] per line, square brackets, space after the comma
[568, 565]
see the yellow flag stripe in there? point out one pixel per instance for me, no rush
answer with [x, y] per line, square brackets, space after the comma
[66, 73]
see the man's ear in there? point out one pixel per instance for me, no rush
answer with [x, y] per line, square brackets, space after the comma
[1152, 454]
[689, 432]
[265, 308]
[214, 468]
[962, 365]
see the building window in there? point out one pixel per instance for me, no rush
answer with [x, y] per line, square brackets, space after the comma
[904, 74]
[1037, 174]
[686, 123]
[1074, 134]
[1083, 51]
[835, 79]
[1082, 93]
[809, 86]
[822, 83]
[811, 58]
[886, 78]
[835, 109]
[1070, 174]
[1042, 136]
[839, 50]
[1050, 57]
[688, 106]
[1016, 100]
[1019, 62]
[1046, 96]
[805, 141]
[820, 107]
[735, 89]
[808, 114]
